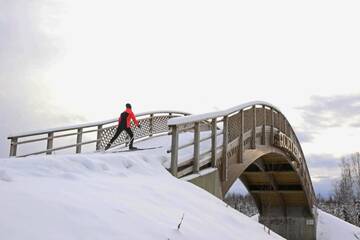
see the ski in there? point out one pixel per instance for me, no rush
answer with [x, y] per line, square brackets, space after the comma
[134, 150]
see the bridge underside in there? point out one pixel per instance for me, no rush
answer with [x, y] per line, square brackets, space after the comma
[272, 181]
[276, 187]
[277, 191]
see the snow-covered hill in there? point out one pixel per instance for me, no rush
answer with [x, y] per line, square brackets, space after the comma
[111, 196]
[333, 228]
[121, 196]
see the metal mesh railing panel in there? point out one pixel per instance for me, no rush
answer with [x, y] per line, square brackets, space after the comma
[247, 120]
[268, 117]
[276, 120]
[108, 133]
[234, 126]
[149, 126]
[281, 123]
[160, 124]
[259, 116]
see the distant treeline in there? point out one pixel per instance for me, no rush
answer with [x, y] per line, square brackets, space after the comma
[344, 201]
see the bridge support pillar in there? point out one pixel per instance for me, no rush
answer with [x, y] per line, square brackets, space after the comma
[207, 180]
[295, 226]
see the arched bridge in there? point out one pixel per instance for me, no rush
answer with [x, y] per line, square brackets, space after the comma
[252, 142]
[257, 145]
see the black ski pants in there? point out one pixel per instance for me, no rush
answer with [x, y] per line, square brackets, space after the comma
[117, 133]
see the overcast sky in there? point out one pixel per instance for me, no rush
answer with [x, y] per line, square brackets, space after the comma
[67, 62]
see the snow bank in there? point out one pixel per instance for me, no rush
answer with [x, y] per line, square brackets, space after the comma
[333, 228]
[111, 196]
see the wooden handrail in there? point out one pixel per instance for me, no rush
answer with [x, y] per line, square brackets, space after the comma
[82, 130]
[92, 124]
[58, 148]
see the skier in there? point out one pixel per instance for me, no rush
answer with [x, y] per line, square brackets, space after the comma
[125, 124]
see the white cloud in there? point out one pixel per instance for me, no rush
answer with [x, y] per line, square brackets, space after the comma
[214, 54]
[332, 111]
[25, 53]
[91, 58]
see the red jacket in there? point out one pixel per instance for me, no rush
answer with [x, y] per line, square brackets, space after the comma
[126, 117]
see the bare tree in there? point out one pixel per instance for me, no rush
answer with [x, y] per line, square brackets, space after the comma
[344, 188]
[355, 167]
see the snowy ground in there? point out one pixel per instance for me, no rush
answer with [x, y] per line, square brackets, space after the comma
[333, 228]
[121, 196]
[111, 196]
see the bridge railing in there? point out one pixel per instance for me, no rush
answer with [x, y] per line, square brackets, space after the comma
[97, 134]
[242, 127]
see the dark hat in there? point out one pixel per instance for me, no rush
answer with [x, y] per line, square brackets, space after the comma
[128, 105]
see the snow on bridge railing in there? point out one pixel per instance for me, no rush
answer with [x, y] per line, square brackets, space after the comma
[96, 133]
[241, 124]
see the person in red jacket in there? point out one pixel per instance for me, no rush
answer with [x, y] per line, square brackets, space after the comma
[125, 124]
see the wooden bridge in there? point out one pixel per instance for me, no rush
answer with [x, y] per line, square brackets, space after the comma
[252, 142]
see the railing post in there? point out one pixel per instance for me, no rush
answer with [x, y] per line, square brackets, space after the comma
[253, 132]
[98, 136]
[49, 144]
[272, 127]
[213, 142]
[151, 123]
[225, 163]
[263, 135]
[196, 147]
[79, 140]
[241, 138]
[278, 122]
[174, 150]
[13, 147]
